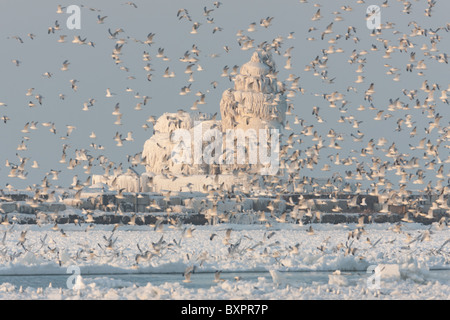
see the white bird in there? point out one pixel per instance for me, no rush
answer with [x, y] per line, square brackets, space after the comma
[100, 19]
[62, 38]
[78, 40]
[131, 4]
[129, 136]
[65, 66]
[187, 232]
[251, 27]
[195, 26]
[60, 9]
[288, 65]
[217, 277]
[109, 94]
[363, 202]
[316, 16]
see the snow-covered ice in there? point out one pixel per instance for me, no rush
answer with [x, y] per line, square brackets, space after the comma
[407, 255]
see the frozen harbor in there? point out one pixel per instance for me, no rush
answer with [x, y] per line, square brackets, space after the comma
[239, 150]
[287, 261]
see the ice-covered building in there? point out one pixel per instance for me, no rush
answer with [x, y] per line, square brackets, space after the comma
[191, 150]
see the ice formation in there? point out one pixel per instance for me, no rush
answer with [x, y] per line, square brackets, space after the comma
[128, 181]
[256, 103]
[158, 150]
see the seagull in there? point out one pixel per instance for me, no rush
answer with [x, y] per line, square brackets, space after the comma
[266, 22]
[109, 94]
[62, 38]
[78, 40]
[18, 38]
[363, 202]
[316, 16]
[65, 65]
[187, 232]
[22, 238]
[100, 20]
[288, 65]
[129, 136]
[251, 27]
[206, 11]
[217, 276]
[131, 4]
[187, 274]
[195, 26]
[60, 9]
[218, 29]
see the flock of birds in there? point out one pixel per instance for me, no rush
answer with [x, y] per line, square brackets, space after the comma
[304, 144]
[223, 244]
[401, 163]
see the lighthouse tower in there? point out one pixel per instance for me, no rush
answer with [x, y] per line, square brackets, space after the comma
[256, 101]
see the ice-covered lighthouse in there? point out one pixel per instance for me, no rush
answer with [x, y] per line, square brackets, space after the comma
[189, 151]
